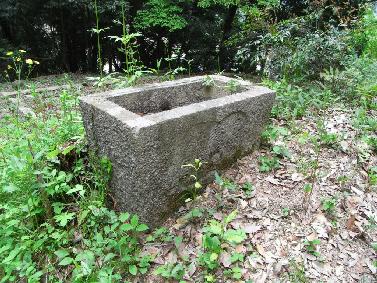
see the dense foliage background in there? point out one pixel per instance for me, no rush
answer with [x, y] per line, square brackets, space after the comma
[215, 34]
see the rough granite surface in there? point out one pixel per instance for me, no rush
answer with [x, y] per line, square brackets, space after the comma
[149, 132]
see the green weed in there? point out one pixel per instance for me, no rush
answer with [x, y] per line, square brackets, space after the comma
[311, 247]
[196, 168]
[215, 235]
[52, 204]
[267, 164]
[329, 205]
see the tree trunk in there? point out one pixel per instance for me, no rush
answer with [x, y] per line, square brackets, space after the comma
[227, 28]
[5, 31]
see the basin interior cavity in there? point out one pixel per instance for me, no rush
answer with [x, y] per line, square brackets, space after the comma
[163, 98]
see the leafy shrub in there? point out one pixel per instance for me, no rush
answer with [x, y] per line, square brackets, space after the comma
[365, 34]
[161, 13]
[301, 58]
[294, 101]
[356, 80]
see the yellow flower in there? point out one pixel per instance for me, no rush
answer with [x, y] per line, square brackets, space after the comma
[9, 67]
[36, 62]
[9, 53]
[29, 61]
[18, 59]
[22, 51]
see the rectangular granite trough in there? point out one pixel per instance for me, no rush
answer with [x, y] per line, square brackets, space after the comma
[148, 132]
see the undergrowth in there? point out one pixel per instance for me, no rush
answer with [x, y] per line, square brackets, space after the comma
[54, 225]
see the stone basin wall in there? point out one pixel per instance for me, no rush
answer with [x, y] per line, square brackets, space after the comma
[148, 132]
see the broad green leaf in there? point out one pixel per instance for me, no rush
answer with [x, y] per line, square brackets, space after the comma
[215, 227]
[132, 269]
[231, 217]
[61, 253]
[78, 188]
[126, 227]
[63, 218]
[213, 256]
[109, 257]
[135, 220]
[11, 255]
[142, 228]
[235, 236]
[178, 241]
[123, 217]
[68, 149]
[10, 188]
[4, 248]
[66, 261]
[218, 179]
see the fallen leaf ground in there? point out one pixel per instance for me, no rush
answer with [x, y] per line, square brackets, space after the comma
[278, 216]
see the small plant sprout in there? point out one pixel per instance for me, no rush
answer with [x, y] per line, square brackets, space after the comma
[281, 151]
[297, 272]
[372, 223]
[311, 246]
[171, 271]
[233, 86]
[267, 164]
[161, 235]
[329, 139]
[328, 205]
[216, 236]
[342, 180]
[195, 213]
[372, 175]
[248, 189]
[234, 273]
[189, 62]
[173, 73]
[196, 167]
[272, 133]
[374, 246]
[208, 81]
[158, 67]
[225, 183]
[308, 190]
[285, 212]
